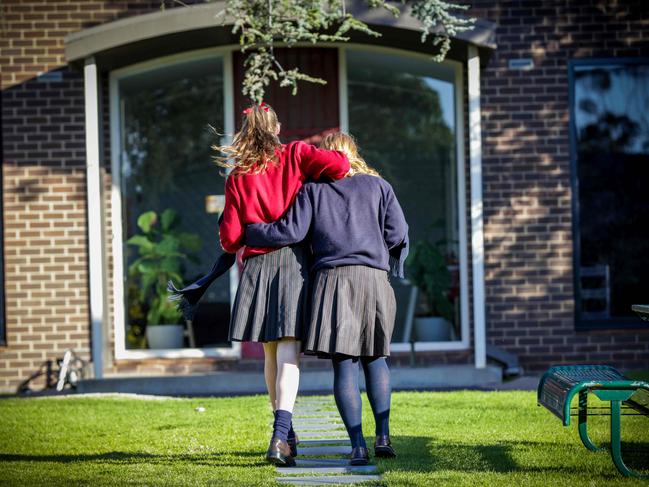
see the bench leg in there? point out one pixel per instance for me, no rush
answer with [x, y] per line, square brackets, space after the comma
[616, 443]
[583, 423]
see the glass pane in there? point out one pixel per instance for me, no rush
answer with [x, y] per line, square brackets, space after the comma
[167, 168]
[612, 128]
[401, 110]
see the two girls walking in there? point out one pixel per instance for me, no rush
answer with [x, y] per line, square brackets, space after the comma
[343, 234]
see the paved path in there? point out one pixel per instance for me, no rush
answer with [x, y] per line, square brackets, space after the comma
[323, 453]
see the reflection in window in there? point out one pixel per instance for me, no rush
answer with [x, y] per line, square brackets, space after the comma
[611, 124]
[166, 167]
[401, 110]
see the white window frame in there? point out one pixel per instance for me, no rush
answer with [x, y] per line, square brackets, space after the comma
[119, 320]
[458, 68]
[226, 53]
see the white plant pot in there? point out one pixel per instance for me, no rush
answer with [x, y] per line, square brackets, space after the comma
[165, 336]
[432, 329]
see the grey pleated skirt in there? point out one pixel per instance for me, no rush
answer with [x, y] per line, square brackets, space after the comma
[272, 297]
[353, 312]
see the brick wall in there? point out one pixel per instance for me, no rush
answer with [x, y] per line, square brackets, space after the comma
[46, 288]
[528, 213]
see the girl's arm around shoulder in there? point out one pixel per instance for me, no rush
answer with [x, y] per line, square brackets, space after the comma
[231, 228]
[288, 230]
[318, 163]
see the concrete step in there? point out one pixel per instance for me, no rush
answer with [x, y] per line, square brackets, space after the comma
[328, 480]
[329, 462]
[320, 434]
[324, 450]
[318, 427]
[324, 469]
[236, 382]
[325, 441]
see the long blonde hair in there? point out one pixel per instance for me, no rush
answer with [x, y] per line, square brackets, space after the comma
[346, 143]
[253, 147]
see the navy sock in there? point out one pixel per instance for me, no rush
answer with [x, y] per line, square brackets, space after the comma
[282, 424]
[348, 397]
[377, 382]
[291, 431]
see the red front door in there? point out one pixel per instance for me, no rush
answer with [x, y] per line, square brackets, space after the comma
[308, 116]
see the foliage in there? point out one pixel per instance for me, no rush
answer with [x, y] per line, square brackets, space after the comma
[163, 249]
[428, 270]
[612, 167]
[261, 24]
[406, 127]
[165, 136]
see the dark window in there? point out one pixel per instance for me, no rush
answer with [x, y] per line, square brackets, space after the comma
[609, 103]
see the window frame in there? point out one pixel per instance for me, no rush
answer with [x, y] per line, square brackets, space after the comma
[580, 323]
[116, 123]
[459, 71]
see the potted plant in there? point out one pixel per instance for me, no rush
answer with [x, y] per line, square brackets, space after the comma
[428, 270]
[163, 250]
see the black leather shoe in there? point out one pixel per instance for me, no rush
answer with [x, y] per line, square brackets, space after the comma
[279, 453]
[360, 456]
[293, 442]
[383, 448]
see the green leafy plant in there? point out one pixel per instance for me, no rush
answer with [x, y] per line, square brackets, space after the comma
[261, 24]
[162, 251]
[428, 270]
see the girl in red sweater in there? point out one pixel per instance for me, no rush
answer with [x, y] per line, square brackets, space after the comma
[271, 301]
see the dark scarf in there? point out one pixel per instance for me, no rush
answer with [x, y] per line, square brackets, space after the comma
[190, 296]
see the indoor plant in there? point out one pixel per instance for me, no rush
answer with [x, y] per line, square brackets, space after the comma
[162, 251]
[428, 270]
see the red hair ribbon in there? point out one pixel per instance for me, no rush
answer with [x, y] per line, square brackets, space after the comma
[262, 105]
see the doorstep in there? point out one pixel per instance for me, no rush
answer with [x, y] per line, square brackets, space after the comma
[311, 381]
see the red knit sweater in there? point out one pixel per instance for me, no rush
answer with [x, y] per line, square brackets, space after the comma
[265, 197]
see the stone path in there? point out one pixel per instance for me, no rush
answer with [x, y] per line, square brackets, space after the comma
[323, 453]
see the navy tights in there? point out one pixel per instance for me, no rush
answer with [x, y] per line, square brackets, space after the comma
[348, 396]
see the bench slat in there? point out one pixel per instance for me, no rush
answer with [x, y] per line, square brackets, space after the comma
[560, 384]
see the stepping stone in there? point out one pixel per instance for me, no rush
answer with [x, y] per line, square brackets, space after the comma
[327, 470]
[304, 412]
[319, 434]
[328, 441]
[318, 427]
[321, 462]
[320, 416]
[317, 422]
[328, 480]
[325, 450]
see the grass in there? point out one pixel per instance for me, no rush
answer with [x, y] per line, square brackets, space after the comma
[446, 438]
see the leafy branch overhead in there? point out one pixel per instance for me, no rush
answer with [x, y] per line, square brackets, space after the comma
[262, 24]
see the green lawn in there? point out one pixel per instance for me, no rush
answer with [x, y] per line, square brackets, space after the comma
[446, 438]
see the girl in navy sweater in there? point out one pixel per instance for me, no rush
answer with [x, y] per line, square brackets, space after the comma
[357, 233]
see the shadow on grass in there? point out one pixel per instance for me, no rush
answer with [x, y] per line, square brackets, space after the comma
[427, 454]
[216, 459]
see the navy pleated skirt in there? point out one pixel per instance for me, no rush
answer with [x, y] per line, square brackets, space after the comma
[272, 297]
[353, 312]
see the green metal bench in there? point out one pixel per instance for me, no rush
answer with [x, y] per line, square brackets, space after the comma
[559, 385]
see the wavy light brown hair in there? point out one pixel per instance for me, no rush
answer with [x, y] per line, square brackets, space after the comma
[347, 144]
[253, 147]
